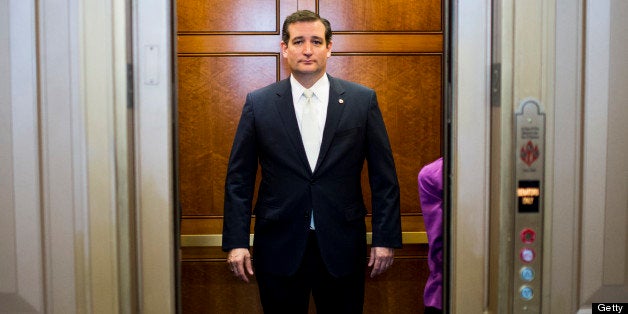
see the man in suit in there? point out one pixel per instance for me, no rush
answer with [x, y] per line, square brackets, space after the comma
[311, 134]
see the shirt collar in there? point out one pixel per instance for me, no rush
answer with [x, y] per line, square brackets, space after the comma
[318, 88]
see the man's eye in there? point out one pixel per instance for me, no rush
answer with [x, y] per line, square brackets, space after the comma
[318, 42]
[297, 42]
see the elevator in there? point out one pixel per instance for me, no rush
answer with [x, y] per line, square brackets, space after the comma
[554, 211]
[551, 242]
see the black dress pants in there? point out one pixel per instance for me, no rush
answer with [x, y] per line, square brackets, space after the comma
[291, 294]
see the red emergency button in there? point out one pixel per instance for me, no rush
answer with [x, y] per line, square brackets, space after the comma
[527, 235]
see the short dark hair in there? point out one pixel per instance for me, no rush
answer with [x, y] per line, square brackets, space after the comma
[304, 16]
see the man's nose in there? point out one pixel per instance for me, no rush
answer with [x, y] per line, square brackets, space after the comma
[307, 48]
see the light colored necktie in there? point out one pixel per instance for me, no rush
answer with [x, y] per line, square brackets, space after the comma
[310, 130]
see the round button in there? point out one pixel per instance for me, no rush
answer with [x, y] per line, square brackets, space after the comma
[527, 274]
[527, 235]
[526, 293]
[527, 254]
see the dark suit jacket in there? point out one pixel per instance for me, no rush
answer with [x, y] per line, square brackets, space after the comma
[268, 133]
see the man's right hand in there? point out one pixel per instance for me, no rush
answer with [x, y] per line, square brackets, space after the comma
[239, 261]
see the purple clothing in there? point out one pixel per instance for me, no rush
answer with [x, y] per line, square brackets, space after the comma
[431, 197]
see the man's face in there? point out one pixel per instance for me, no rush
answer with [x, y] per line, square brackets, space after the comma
[307, 51]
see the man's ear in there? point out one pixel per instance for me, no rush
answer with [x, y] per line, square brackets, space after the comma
[329, 49]
[284, 48]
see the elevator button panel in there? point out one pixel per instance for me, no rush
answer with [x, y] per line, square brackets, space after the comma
[529, 161]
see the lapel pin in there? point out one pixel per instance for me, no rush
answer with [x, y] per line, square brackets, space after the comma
[341, 101]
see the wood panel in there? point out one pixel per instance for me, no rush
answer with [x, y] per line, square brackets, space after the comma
[383, 15]
[227, 16]
[212, 224]
[409, 92]
[211, 90]
[358, 43]
[209, 287]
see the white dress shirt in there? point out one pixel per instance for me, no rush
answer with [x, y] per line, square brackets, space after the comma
[320, 99]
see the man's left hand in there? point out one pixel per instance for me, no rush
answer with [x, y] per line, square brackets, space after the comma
[381, 259]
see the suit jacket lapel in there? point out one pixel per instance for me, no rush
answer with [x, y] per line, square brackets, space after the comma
[285, 107]
[334, 112]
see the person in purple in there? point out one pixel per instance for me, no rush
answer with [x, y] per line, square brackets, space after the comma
[431, 197]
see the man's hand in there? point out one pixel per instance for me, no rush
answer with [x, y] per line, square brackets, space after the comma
[239, 261]
[381, 259]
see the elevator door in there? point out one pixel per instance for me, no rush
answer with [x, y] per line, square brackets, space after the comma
[227, 48]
